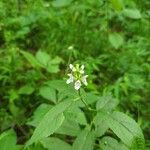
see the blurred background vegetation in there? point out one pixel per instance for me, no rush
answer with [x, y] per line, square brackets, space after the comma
[111, 37]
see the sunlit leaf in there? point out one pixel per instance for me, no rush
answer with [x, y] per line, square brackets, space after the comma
[132, 13]
[52, 120]
[116, 40]
[84, 141]
[55, 144]
[43, 58]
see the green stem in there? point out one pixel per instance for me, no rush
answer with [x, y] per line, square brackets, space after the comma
[85, 103]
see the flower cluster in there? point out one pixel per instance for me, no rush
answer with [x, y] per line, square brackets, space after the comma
[77, 76]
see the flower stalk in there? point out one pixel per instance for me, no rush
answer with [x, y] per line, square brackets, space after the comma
[85, 103]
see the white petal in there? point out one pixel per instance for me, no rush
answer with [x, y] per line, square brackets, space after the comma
[82, 67]
[84, 80]
[71, 66]
[77, 85]
[69, 74]
[82, 71]
[74, 69]
[70, 79]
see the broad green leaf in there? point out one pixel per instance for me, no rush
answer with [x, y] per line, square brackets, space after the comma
[58, 85]
[84, 141]
[39, 114]
[43, 58]
[133, 128]
[52, 68]
[125, 128]
[106, 103]
[53, 65]
[132, 13]
[75, 113]
[52, 120]
[37, 146]
[48, 93]
[61, 3]
[56, 60]
[109, 143]
[69, 127]
[63, 89]
[53, 143]
[117, 4]
[116, 40]
[8, 140]
[27, 90]
[31, 59]
[101, 125]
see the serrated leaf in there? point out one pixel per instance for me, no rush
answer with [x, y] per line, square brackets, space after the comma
[101, 125]
[109, 143]
[48, 93]
[107, 103]
[43, 58]
[39, 114]
[84, 141]
[52, 143]
[125, 128]
[132, 13]
[75, 113]
[116, 40]
[52, 120]
[69, 127]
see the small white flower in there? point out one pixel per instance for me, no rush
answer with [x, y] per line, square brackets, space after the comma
[82, 67]
[77, 85]
[82, 71]
[77, 76]
[84, 80]
[71, 66]
[70, 79]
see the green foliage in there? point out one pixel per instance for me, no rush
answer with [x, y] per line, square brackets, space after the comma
[38, 41]
[84, 141]
[51, 121]
[55, 144]
[8, 141]
[108, 143]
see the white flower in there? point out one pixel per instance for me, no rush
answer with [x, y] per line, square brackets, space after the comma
[77, 76]
[71, 66]
[84, 80]
[70, 79]
[82, 69]
[77, 85]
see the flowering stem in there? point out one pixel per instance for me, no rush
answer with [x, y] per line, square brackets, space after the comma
[84, 102]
